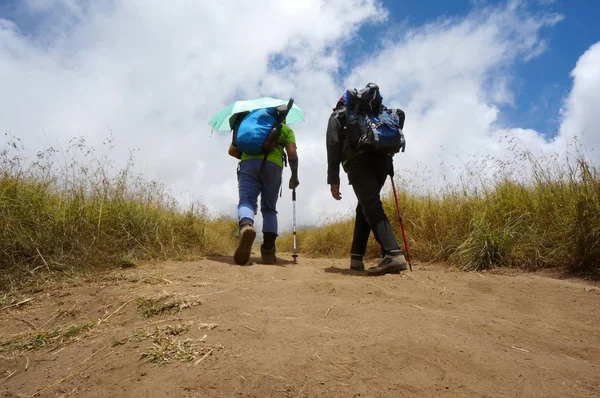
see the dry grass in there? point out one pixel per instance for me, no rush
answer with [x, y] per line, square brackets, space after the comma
[530, 212]
[45, 339]
[168, 344]
[330, 240]
[152, 306]
[69, 211]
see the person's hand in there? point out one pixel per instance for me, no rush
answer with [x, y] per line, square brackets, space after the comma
[335, 191]
[294, 183]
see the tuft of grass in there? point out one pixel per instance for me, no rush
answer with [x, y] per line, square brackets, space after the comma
[128, 262]
[153, 278]
[70, 210]
[168, 344]
[45, 339]
[165, 330]
[166, 303]
[165, 350]
[522, 211]
[486, 246]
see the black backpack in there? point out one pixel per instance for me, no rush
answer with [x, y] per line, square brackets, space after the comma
[367, 99]
[370, 125]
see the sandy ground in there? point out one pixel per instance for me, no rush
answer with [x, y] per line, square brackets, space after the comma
[313, 329]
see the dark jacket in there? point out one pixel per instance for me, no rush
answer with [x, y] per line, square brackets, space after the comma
[339, 149]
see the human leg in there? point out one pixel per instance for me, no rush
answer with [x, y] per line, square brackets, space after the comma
[393, 260]
[248, 187]
[360, 238]
[268, 208]
[368, 174]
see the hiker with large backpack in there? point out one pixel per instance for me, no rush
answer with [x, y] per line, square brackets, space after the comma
[363, 135]
[259, 140]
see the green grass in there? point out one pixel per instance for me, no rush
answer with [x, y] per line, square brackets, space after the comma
[74, 210]
[66, 211]
[45, 339]
[330, 240]
[544, 215]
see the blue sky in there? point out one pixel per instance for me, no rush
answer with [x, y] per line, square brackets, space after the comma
[539, 85]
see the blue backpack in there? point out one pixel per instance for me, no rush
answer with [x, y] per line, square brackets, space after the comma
[259, 130]
[378, 131]
[254, 130]
[370, 125]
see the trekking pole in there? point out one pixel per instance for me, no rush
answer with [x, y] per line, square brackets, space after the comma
[294, 203]
[401, 224]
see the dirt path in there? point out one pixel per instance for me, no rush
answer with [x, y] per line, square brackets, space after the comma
[307, 330]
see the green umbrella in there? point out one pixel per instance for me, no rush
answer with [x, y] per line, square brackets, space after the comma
[220, 121]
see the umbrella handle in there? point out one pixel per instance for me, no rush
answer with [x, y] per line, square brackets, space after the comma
[283, 115]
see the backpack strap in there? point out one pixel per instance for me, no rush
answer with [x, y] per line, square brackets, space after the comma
[341, 114]
[277, 125]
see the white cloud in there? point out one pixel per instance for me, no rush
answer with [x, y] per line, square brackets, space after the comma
[155, 72]
[580, 112]
[451, 77]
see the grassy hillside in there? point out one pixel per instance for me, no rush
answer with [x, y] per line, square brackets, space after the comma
[546, 214]
[64, 211]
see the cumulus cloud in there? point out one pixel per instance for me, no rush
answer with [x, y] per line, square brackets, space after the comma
[451, 77]
[155, 72]
[580, 112]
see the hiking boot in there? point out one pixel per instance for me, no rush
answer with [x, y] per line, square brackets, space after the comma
[357, 265]
[389, 265]
[268, 255]
[242, 253]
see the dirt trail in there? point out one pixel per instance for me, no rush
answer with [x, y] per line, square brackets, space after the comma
[313, 329]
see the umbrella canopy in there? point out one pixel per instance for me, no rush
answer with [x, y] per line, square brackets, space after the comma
[220, 121]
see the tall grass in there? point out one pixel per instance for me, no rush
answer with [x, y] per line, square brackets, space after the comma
[77, 210]
[543, 215]
[332, 239]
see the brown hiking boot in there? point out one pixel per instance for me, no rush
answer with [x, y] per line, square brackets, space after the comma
[268, 255]
[357, 265]
[389, 265]
[242, 253]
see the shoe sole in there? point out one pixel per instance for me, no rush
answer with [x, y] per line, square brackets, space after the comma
[383, 271]
[242, 253]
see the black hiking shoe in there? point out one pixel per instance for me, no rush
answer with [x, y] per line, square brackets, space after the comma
[268, 255]
[357, 265]
[389, 265]
[242, 253]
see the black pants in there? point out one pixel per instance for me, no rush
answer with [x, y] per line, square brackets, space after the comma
[367, 174]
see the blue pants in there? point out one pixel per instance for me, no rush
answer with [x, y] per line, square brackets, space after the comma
[249, 189]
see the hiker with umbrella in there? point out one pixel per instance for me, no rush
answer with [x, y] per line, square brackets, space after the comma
[263, 143]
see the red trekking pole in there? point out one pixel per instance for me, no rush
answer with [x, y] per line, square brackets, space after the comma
[401, 224]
